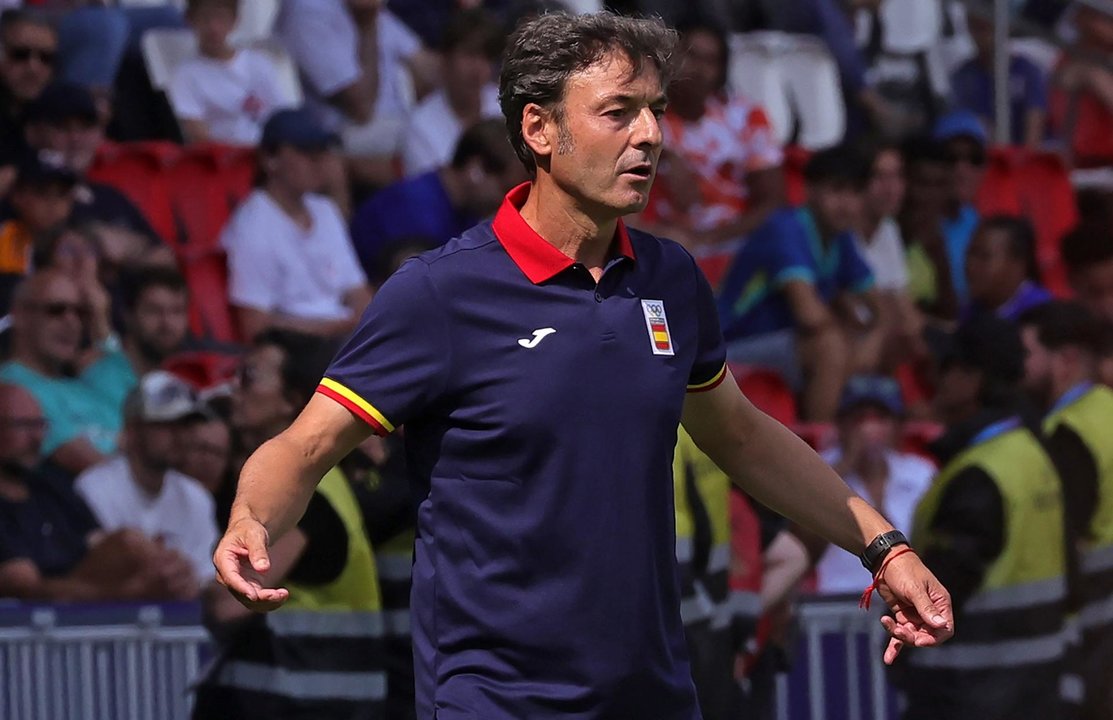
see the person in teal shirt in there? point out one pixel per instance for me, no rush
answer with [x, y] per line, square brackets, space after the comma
[81, 393]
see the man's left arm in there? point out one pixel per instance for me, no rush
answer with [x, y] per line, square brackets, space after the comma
[781, 471]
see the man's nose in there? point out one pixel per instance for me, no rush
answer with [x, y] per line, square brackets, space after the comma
[647, 129]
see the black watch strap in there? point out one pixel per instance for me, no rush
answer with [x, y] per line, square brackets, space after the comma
[876, 551]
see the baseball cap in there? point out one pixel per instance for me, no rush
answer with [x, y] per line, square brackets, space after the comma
[989, 344]
[875, 390]
[162, 396]
[42, 168]
[960, 123]
[62, 101]
[296, 127]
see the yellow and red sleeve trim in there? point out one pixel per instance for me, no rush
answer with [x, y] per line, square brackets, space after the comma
[356, 405]
[710, 384]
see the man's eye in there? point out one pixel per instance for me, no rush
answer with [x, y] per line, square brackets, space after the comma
[616, 113]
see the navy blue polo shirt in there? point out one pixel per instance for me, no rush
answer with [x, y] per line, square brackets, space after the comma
[541, 412]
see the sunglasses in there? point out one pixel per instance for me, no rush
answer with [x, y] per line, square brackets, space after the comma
[976, 159]
[58, 309]
[22, 54]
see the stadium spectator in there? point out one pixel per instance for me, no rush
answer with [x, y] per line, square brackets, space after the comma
[992, 525]
[930, 275]
[964, 142]
[1088, 256]
[26, 67]
[63, 123]
[882, 247]
[156, 317]
[471, 46]
[868, 459]
[140, 488]
[799, 297]
[224, 94]
[80, 393]
[51, 548]
[207, 453]
[1064, 343]
[720, 173]
[972, 85]
[326, 561]
[290, 261]
[1001, 269]
[441, 204]
[1082, 89]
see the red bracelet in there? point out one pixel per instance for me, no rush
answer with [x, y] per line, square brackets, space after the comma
[864, 603]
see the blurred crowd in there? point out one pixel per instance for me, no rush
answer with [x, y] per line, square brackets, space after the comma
[946, 350]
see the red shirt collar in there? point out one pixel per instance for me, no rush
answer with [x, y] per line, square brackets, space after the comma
[534, 255]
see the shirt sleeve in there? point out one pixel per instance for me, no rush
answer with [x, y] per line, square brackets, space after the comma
[397, 361]
[791, 258]
[184, 98]
[854, 274]
[709, 368]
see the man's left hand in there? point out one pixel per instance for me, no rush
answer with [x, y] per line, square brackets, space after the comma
[921, 606]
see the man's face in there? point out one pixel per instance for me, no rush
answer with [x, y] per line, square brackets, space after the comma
[1094, 285]
[466, 72]
[258, 401]
[603, 152]
[159, 443]
[885, 191]
[967, 157]
[27, 61]
[75, 140]
[44, 206]
[700, 72]
[837, 205]
[207, 446]
[48, 324]
[869, 427]
[300, 170]
[160, 321]
[22, 428]
[929, 187]
[957, 392]
[212, 24]
[993, 275]
[1037, 365]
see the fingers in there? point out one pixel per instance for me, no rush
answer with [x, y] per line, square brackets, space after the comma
[892, 651]
[256, 540]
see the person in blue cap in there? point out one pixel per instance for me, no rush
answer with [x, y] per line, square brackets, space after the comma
[963, 138]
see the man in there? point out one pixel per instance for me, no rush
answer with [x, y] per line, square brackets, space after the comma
[931, 279]
[140, 488]
[288, 664]
[51, 548]
[81, 394]
[290, 261]
[30, 49]
[441, 204]
[1001, 271]
[992, 526]
[64, 124]
[867, 458]
[721, 175]
[544, 570]
[470, 48]
[964, 140]
[1088, 257]
[156, 317]
[1063, 343]
[1082, 87]
[799, 297]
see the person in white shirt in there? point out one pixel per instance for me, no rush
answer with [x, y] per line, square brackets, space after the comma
[224, 94]
[139, 488]
[867, 459]
[470, 48]
[291, 264]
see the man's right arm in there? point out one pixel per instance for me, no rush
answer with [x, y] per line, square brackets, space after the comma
[810, 313]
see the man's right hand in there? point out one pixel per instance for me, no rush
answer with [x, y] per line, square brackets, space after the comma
[241, 561]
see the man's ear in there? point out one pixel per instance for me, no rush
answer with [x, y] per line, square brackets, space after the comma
[538, 130]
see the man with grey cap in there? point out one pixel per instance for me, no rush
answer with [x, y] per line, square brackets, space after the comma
[139, 487]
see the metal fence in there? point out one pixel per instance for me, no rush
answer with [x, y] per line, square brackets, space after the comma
[114, 662]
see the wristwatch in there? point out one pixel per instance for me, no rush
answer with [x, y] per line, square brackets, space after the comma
[876, 551]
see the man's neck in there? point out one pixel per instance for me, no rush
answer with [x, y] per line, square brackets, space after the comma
[292, 203]
[1063, 384]
[581, 235]
[13, 486]
[141, 362]
[39, 364]
[149, 479]
[223, 53]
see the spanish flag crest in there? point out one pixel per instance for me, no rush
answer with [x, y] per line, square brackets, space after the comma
[657, 322]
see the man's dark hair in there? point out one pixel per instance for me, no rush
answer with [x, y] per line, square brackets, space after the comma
[474, 29]
[304, 360]
[992, 346]
[842, 164]
[1064, 323]
[1022, 240]
[487, 141]
[23, 16]
[700, 23]
[545, 51]
[921, 150]
[136, 281]
[1089, 243]
[194, 5]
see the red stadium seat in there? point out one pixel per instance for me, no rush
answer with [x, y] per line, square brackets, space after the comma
[768, 391]
[139, 171]
[1000, 190]
[916, 435]
[210, 312]
[795, 160]
[206, 184]
[715, 265]
[1047, 197]
[204, 369]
